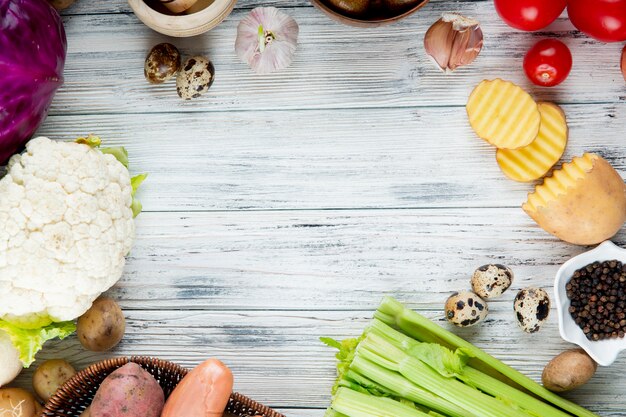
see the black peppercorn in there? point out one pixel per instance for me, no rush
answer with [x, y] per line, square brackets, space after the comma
[597, 294]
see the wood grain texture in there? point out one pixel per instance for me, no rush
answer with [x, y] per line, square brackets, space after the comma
[282, 208]
[427, 157]
[277, 358]
[329, 260]
[335, 66]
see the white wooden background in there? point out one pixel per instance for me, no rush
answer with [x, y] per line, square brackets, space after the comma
[282, 208]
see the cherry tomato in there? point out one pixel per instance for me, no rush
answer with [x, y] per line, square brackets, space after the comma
[548, 62]
[604, 20]
[530, 14]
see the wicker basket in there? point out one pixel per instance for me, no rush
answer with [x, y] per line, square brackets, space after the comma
[76, 394]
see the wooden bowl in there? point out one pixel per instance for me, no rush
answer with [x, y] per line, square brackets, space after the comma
[76, 394]
[366, 21]
[182, 25]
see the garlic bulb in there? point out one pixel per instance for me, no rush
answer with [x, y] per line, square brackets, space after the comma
[267, 39]
[453, 41]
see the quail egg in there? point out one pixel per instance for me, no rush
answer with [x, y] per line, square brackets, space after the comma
[465, 309]
[532, 306]
[162, 63]
[490, 281]
[195, 78]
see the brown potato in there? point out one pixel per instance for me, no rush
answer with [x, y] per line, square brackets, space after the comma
[569, 370]
[351, 7]
[102, 327]
[50, 375]
[398, 6]
[61, 4]
[86, 412]
[18, 401]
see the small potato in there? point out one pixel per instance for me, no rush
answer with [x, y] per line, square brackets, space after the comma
[351, 7]
[61, 4]
[18, 402]
[129, 391]
[50, 375]
[102, 327]
[398, 6]
[571, 369]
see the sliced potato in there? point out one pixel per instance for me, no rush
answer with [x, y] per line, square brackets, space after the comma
[535, 160]
[583, 203]
[503, 114]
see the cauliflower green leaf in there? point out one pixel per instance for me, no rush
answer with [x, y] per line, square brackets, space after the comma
[30, 341]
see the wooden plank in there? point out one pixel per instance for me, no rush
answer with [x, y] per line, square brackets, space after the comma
[384, 67]
[326, 159]
[329, 260]
[277, 359]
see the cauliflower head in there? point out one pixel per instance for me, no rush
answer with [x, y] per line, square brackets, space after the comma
[66, 227]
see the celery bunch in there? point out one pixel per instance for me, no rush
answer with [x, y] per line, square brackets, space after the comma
[404, 365]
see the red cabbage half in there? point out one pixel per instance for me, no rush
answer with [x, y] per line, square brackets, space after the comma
[32, 57]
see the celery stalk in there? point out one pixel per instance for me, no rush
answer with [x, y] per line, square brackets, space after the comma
[499, 389]
[470, 375]
[332, 413]
[356, 404]
[418, 327]
[376, 349]
[403, 388]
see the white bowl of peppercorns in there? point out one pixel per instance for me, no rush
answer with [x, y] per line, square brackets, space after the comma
[590, 292]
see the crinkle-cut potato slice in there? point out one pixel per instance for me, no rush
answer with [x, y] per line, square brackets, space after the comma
[503, 114]
[535, 160]
[583, 203]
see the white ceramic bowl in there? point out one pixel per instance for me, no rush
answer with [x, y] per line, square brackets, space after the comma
[604, 352]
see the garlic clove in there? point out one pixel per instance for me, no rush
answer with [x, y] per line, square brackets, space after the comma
[453, 41]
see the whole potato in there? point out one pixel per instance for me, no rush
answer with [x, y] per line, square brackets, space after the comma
[18, 402]
[397, 6]
[50, 375]
[569, 370]
[351, 7]
[102, 327]
[129, 391]
[61, 4]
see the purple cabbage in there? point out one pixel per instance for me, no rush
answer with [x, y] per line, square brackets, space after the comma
[32, 57]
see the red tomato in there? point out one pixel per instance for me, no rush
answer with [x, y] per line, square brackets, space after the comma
[548, 62]
[604, 20]
[530, 14]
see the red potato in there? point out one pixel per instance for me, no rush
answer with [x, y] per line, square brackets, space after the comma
[204, 392]
[130, 391]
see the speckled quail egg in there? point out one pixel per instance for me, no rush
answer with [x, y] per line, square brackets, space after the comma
[162, 63]
[532, 306]
[465, 309]
[490, 281]
[195, 78]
